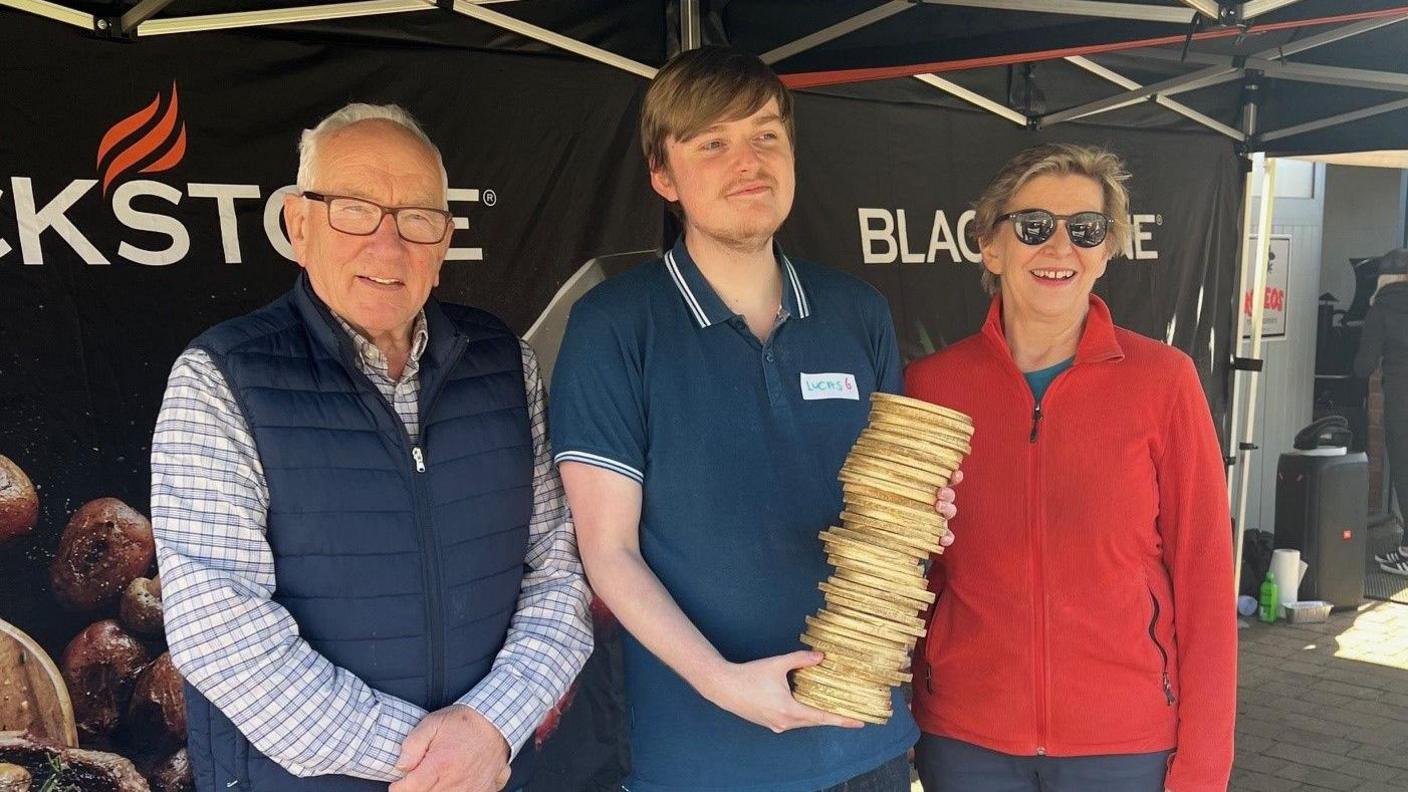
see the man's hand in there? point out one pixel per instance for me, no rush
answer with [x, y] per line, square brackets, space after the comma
[946, 506]
[759, 692]
[453, 749]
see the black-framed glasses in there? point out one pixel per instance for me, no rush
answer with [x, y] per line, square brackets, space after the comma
[1035, 226]
[360, 217]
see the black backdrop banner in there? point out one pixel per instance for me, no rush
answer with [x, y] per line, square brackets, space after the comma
[885, 190]
[139, 196]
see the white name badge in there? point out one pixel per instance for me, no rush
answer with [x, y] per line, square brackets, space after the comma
[829, 386]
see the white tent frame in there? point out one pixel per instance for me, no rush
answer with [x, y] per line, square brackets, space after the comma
[1249, 373]
[141, 21]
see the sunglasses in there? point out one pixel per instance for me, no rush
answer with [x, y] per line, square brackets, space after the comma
[1035, 226]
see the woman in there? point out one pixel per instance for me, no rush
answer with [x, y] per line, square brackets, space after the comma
[1385, 338]
[1084, 637]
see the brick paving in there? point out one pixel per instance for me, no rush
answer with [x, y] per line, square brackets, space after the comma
[1325, 706]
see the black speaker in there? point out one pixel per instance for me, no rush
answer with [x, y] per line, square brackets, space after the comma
[1322, 510]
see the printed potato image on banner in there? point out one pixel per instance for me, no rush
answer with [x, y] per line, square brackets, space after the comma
[91, 700]
[113, 687]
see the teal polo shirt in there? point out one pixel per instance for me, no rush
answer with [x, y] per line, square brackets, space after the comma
[736, 444]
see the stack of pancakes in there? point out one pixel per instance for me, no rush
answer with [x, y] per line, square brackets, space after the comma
[889, 527]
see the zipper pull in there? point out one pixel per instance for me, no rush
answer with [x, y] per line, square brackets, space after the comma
[1036, 422]
[929, 677]
[419, 456]
[1168, 689]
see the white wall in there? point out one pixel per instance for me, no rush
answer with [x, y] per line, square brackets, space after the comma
[1363, 217]
[1332, 213]
[1284, 388]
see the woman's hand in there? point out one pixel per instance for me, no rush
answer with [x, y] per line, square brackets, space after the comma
[947, 507]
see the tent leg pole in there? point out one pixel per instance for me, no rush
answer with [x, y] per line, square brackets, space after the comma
[1243, 284]
[1246, 447]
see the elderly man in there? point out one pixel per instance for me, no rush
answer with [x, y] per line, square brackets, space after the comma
[369, 570]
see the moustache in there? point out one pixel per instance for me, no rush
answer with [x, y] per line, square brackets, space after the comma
[747, 184]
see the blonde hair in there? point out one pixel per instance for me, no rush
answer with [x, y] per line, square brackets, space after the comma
[701, 87]
[1053, 159]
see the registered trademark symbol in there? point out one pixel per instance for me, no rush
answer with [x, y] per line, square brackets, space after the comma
[489, 198]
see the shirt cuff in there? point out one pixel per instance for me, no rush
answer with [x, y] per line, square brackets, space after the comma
[394, 723]
[504, 701]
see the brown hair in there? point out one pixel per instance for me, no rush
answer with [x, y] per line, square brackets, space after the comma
[1054, 159]
[700, 87]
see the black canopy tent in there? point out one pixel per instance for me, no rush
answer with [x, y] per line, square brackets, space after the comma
[1330, 70]
[1268, 77]
[1275, 77]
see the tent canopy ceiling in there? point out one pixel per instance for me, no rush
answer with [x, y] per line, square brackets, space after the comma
[1329, 75]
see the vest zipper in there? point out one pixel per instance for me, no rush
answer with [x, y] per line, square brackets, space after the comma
[430, 555]
[1163, 654]
[430, 568]
[430, 558]
[1036, 422]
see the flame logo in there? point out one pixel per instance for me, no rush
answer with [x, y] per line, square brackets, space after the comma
[123, 149]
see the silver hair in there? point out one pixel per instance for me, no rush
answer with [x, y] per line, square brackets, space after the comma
[354, 113]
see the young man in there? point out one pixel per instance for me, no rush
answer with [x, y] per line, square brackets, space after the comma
[699, 464]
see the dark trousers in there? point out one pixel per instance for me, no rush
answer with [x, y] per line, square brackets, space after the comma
[1396, 441]
[952, 766]
[893, 776]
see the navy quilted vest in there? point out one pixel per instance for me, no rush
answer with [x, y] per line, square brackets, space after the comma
[405, 574]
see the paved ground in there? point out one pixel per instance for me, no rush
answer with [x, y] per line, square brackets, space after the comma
[1325, 706]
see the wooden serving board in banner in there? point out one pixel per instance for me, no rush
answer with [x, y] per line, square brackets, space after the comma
[33, 696]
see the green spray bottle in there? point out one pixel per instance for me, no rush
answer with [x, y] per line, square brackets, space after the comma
[1270, 598]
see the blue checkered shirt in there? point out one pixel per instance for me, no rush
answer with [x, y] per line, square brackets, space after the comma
[242, 650]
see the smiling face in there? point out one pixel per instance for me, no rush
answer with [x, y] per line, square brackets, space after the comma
[377, 283]
[1050, 281]
[734, 180]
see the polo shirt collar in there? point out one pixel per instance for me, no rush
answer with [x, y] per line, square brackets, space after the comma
[704, 304]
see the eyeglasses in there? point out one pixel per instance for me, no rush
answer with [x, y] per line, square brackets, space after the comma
[1035, 226]
[360, 217]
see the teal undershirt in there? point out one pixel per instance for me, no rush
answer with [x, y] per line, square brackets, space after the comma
[1041, 379]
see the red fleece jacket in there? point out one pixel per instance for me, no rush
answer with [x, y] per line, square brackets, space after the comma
[1087, 607]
